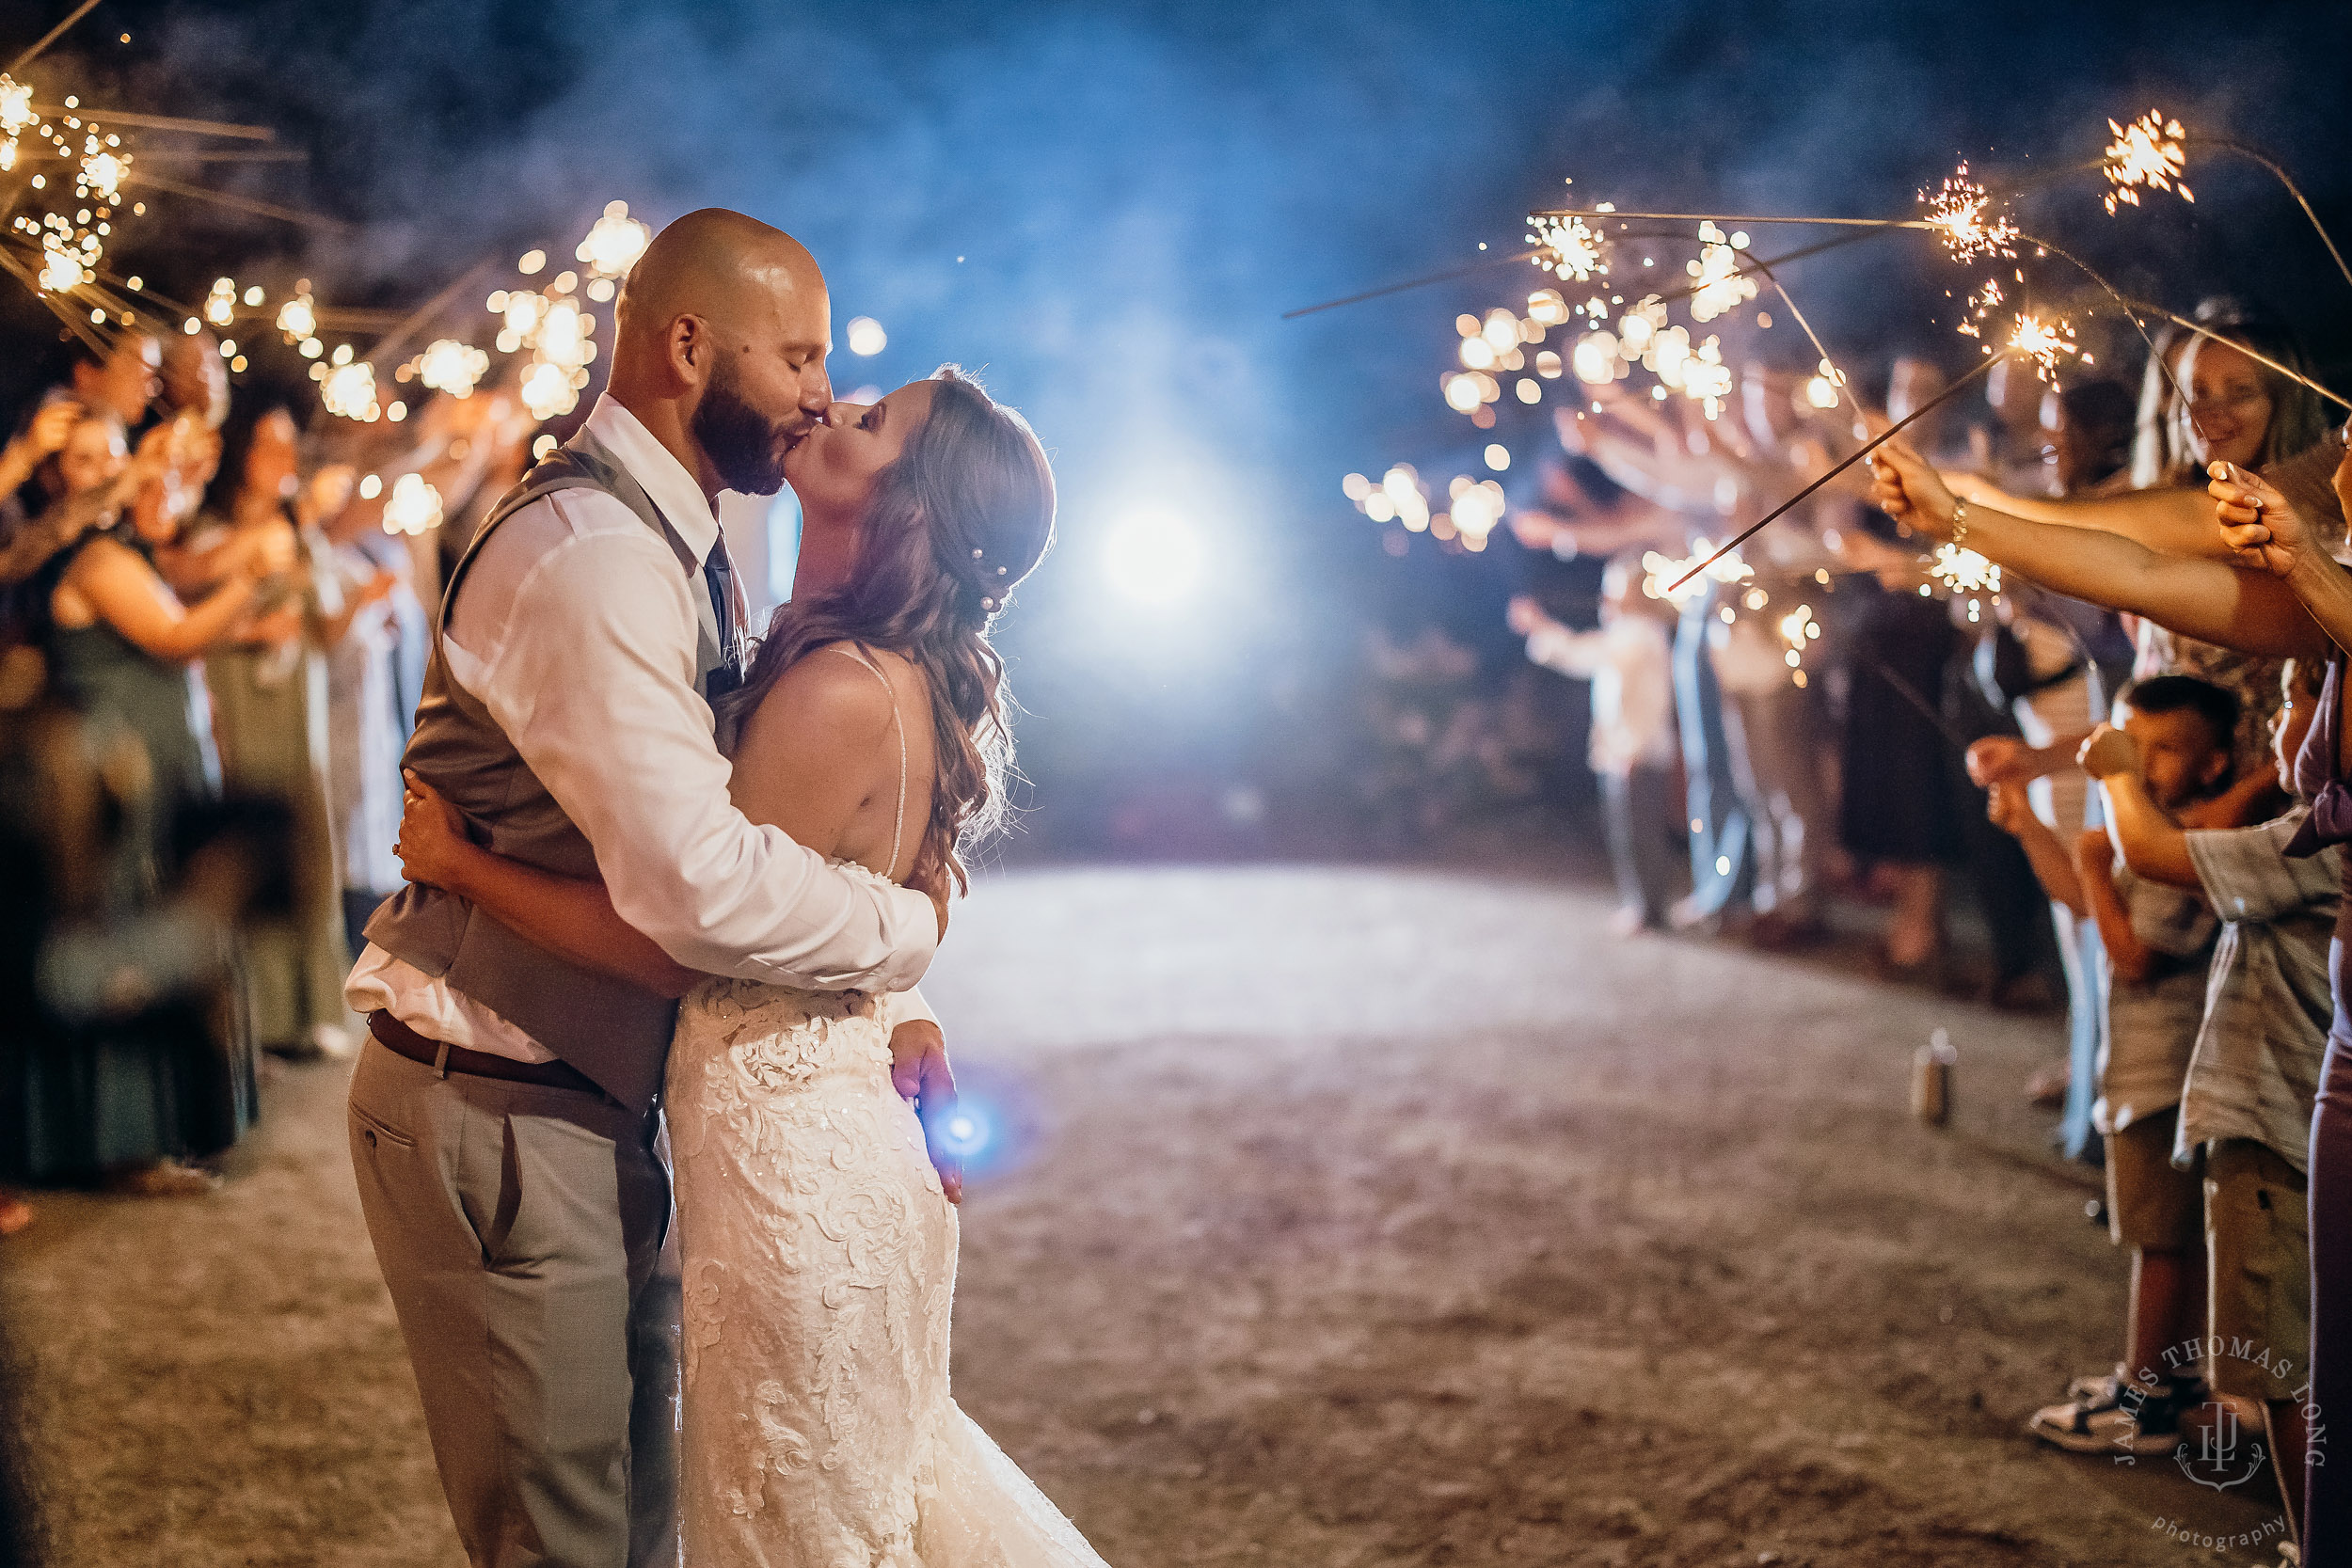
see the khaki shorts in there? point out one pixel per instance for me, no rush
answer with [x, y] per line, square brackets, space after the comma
[2258, 1241]
[2149, 1203]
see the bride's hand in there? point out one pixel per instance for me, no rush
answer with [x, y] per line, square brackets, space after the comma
[433, 847]
[919, 1071]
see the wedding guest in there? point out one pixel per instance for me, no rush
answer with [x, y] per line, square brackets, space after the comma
[1631, 746]
[122, 380]
[2246, 1106]
[2158, 942]
[269, 698]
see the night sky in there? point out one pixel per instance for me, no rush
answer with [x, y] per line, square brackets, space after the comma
[1106, 209]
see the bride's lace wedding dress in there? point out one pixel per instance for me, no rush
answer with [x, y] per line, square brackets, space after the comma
[820, 1260]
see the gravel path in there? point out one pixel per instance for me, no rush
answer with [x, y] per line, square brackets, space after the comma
[1337, 1216]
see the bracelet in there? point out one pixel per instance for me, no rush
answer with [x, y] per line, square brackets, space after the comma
[1959, 521]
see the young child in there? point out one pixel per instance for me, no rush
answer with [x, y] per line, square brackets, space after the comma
[1629, 661]
[2247, 1103]
[2158, 941]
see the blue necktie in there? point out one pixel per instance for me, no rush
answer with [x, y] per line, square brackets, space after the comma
[719, 574]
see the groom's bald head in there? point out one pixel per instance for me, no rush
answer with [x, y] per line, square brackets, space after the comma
[725, 325]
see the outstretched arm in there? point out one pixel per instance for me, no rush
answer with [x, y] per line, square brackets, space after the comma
[2174, 520]
[2253, 612]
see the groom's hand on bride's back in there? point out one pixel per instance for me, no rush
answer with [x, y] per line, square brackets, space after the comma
[919, 1071]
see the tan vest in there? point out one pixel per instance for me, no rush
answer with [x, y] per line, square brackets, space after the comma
[609, 1029]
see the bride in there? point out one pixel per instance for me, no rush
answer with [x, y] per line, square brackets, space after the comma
[818, 1244]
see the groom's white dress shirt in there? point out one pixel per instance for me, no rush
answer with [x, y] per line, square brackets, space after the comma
[576, 629]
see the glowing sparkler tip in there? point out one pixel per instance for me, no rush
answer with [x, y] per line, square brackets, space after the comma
[1567, 247]
[2043, 341]
[1963, 571]
[1962, 215]
[2145, 153]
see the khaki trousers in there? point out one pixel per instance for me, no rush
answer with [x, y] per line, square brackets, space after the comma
[520, 1230]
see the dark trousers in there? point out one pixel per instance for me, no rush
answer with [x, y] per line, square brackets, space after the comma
[1634, 805]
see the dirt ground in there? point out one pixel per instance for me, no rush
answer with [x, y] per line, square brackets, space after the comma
[1337, 1216]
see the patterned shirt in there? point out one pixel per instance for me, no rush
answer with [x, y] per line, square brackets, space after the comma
[2151, 1024]
[2255, 1072]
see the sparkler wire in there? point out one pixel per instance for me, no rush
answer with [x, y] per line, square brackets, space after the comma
[1866, 450]
[2293, 189]
[1721, 218]
[1415, 283]
[49, 37]
[241, 204]
[1838, 377]
[163, 122]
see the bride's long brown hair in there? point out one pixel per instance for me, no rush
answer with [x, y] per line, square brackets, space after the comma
[963, 514]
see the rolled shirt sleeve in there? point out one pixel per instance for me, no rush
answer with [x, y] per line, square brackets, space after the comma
[594, 684]
[2247, 874]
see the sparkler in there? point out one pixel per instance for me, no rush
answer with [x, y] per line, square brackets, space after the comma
[2146, 152]
[1566, 246]
[1797, 629]
[1722, 287]
[413, 507]
[1963, 571]
[1962, 216]
[450, 366]
[2043, 342]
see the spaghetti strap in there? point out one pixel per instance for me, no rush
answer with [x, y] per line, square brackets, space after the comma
[898, 823]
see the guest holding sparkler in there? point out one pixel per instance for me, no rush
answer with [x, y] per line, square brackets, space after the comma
[2246, 1106]
[2268, 529]
[1632, 732]
[2158, 940]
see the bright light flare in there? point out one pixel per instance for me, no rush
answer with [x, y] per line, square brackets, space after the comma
[865, 337]
[1154, 556]
[2145, 153]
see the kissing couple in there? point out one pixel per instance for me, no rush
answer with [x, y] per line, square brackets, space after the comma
[615, 803]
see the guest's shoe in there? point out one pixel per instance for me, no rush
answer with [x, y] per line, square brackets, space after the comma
[2115, 1415]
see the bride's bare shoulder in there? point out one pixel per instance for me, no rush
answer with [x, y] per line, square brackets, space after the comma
[829, 694]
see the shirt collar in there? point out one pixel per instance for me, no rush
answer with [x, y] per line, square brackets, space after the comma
[653, 466]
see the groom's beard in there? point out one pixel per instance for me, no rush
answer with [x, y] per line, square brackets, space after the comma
[747, 450]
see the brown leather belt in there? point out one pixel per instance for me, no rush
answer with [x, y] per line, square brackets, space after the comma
[402, 1040]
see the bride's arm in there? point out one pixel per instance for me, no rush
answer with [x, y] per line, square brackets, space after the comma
[566, 915]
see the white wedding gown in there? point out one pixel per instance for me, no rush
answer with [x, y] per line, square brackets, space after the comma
[819, 1263]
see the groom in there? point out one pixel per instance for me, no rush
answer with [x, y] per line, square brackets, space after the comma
[504, 1115]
